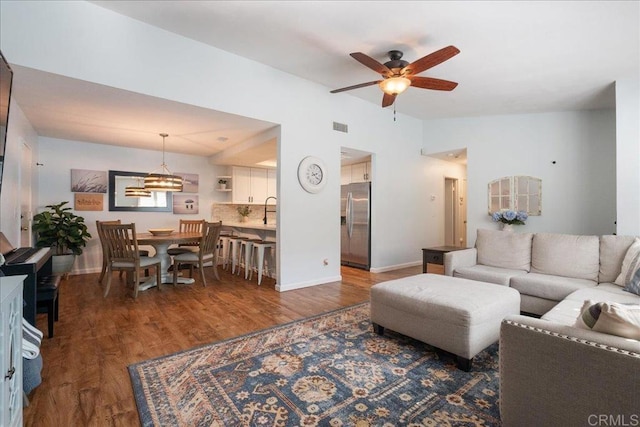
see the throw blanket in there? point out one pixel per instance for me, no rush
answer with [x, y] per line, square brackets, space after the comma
[31, 357]
[31, 339]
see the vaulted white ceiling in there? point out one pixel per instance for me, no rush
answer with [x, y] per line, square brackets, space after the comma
[516, 57]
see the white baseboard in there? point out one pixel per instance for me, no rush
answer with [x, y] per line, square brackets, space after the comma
[299, 285]
[395, 267]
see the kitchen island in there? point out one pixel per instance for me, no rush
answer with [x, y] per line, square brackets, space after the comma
[262, 231]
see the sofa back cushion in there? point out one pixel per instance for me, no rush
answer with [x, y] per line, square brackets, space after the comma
[612, 252]
[566, 255]
[504, 249]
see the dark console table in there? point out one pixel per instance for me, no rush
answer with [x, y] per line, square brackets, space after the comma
[436, 255]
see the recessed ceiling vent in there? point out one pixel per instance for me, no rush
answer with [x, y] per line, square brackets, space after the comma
[340, 127]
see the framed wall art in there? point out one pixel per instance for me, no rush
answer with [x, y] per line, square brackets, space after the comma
[189, 182]
[88, 181]
[185, 204]
[88, 202]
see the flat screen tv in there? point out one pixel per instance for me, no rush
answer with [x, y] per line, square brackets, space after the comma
[6, 79]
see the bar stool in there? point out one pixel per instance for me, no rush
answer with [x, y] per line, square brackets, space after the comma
[258, 259]
[244, 257]
[223, 250]
[233, 252]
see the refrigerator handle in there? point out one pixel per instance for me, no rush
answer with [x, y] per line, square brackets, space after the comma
[349, 213]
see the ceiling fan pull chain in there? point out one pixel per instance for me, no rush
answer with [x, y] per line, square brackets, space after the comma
[394, 111]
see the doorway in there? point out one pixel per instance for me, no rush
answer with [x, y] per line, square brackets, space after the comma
[356, 179]
[451, 212]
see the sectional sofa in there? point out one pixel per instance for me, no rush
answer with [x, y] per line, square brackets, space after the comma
[554, 369]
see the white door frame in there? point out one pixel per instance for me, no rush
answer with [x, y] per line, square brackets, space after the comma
[451, 212]
[25, 195]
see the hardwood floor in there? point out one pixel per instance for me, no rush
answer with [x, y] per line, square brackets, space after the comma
[85, 377]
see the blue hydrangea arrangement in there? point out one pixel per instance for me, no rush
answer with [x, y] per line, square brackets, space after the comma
[510, 217]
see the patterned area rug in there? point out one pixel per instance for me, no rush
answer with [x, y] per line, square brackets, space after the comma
[328, 370]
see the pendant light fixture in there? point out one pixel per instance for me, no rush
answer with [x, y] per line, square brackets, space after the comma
[137, 190]
[163, 181]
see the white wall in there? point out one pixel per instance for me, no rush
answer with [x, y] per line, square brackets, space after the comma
[81, 40]
[628, 156]
[578, 191]
[19, 133]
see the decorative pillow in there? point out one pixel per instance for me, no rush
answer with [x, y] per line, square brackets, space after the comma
[634, 285]
[589, 315]
[612, 318]
[630, 264]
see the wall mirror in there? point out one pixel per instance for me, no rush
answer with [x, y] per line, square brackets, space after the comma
[160, 201]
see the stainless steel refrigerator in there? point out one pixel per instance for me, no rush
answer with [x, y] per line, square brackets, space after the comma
[355, 225]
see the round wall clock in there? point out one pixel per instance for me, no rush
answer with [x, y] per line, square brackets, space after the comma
[312, 174]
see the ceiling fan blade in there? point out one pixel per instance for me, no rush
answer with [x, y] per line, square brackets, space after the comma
[431, 83]
[356, 86]
[368, 61]
[431, 60]
[388, 100]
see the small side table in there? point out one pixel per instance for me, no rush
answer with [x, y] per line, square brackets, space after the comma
[436, 255]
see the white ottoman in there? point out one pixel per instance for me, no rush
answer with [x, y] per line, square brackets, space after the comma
[457, 315]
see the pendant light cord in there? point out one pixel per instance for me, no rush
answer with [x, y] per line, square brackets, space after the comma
[164, 164]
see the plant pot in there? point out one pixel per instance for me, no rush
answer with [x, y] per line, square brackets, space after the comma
[62, 264]
[507, 227]
[243, 218]
[223, 186]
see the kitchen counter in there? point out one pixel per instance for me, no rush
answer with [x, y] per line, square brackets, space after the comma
[261, 230]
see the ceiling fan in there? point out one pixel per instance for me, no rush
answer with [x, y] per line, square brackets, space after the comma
[398, 74]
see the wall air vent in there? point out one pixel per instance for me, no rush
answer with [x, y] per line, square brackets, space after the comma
[340, 127]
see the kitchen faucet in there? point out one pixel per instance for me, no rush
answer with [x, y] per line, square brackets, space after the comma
[265, 209]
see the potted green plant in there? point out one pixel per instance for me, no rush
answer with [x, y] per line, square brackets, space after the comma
[64, 232]
[244, 212]
[223, 183]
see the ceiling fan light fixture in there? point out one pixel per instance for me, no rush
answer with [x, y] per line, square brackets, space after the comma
[163, 181]
[395, 85]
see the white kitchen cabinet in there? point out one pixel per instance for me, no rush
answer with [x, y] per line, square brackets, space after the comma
[11, 350]
[356, 172]
[345, 175]
[258, 186]
[361, 172]
[252, 185]
[272, 185]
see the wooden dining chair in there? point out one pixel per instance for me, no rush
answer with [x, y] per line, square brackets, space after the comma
[188, 226]
[207, 252]
[103, 245]
[99, 224]
[123, 254]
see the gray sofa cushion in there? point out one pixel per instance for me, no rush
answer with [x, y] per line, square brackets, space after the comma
[485, 273]
[566, 255]
[549, 287]
[504, 249]
[612, 252]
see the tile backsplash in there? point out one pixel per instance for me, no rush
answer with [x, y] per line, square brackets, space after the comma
[229, 213]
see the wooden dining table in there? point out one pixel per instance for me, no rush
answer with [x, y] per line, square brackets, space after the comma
[161, 244]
